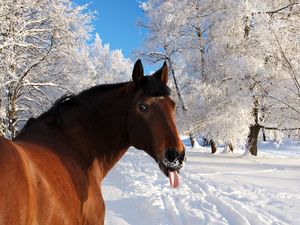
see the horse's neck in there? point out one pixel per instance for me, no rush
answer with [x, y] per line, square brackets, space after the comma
[97, 135]
[102, 133]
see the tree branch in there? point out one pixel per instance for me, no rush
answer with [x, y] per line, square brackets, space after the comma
[271, 13]
[292, 71]
[276, 128]
[272, 97]
[33, 66]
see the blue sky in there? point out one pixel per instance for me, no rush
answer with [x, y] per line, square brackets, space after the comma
[116, 22]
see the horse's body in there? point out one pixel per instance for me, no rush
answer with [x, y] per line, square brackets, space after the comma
[51, 172]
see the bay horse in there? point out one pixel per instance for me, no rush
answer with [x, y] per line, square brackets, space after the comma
[51, 173]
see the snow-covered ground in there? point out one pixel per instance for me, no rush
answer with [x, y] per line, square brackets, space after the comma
[215, 189]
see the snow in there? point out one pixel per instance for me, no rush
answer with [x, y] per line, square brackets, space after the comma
[215, 189]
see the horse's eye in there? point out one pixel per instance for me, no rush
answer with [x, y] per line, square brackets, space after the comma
[143, 107]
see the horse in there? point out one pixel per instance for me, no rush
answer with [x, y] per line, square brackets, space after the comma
[51, 172]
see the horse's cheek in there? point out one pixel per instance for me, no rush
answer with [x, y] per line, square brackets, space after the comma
[138, 132]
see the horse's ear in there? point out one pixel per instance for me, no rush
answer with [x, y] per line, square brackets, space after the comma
[138, 72]
[162, 74]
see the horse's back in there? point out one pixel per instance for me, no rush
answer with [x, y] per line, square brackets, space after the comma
[13, 185]
[38, 187]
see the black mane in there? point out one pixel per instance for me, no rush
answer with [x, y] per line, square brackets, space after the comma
[71, 100]
[150, 85]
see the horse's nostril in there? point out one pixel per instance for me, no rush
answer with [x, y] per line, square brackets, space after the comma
[171, 155]
[181, 157]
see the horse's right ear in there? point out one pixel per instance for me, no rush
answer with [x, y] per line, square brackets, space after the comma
[138, 72]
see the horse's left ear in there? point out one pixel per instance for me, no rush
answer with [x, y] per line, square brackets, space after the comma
[162, 74]
[138, 73]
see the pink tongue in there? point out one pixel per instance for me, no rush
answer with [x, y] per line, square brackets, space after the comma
[174, 179]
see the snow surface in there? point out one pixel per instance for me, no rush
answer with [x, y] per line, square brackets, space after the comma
[215, 189]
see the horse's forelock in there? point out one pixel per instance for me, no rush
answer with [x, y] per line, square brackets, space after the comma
[154, 87]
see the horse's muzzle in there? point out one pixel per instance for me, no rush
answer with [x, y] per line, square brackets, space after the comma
[173, 161]
[173, 155]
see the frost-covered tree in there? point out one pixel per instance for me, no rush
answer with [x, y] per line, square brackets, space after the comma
[181, 30]
[110, 65]
[163, 41]
[217, 111]
[236, 61]
[257, 42]
[37, 39]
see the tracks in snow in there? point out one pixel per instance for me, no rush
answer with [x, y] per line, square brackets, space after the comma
[214, 190]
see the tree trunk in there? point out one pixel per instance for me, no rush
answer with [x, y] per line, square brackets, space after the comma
[254, 131]
[180, 96]
[11, 115]
[213, 146]
[247, 27]
[230, 146]
[13, 74]
[252, 139]
[264, 134]
[1, 122]
[202, 51]
[192, 140]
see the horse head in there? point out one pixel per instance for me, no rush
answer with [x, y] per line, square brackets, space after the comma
[151, 121]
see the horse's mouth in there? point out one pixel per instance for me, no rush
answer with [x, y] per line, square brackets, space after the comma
[166, 169]
[172, 172]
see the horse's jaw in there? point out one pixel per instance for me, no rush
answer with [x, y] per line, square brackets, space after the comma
[170, 169]
[172, 173]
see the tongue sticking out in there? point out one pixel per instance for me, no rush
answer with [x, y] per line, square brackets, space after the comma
[174, 179]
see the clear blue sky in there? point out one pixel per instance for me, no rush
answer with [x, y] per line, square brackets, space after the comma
[116, 22]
